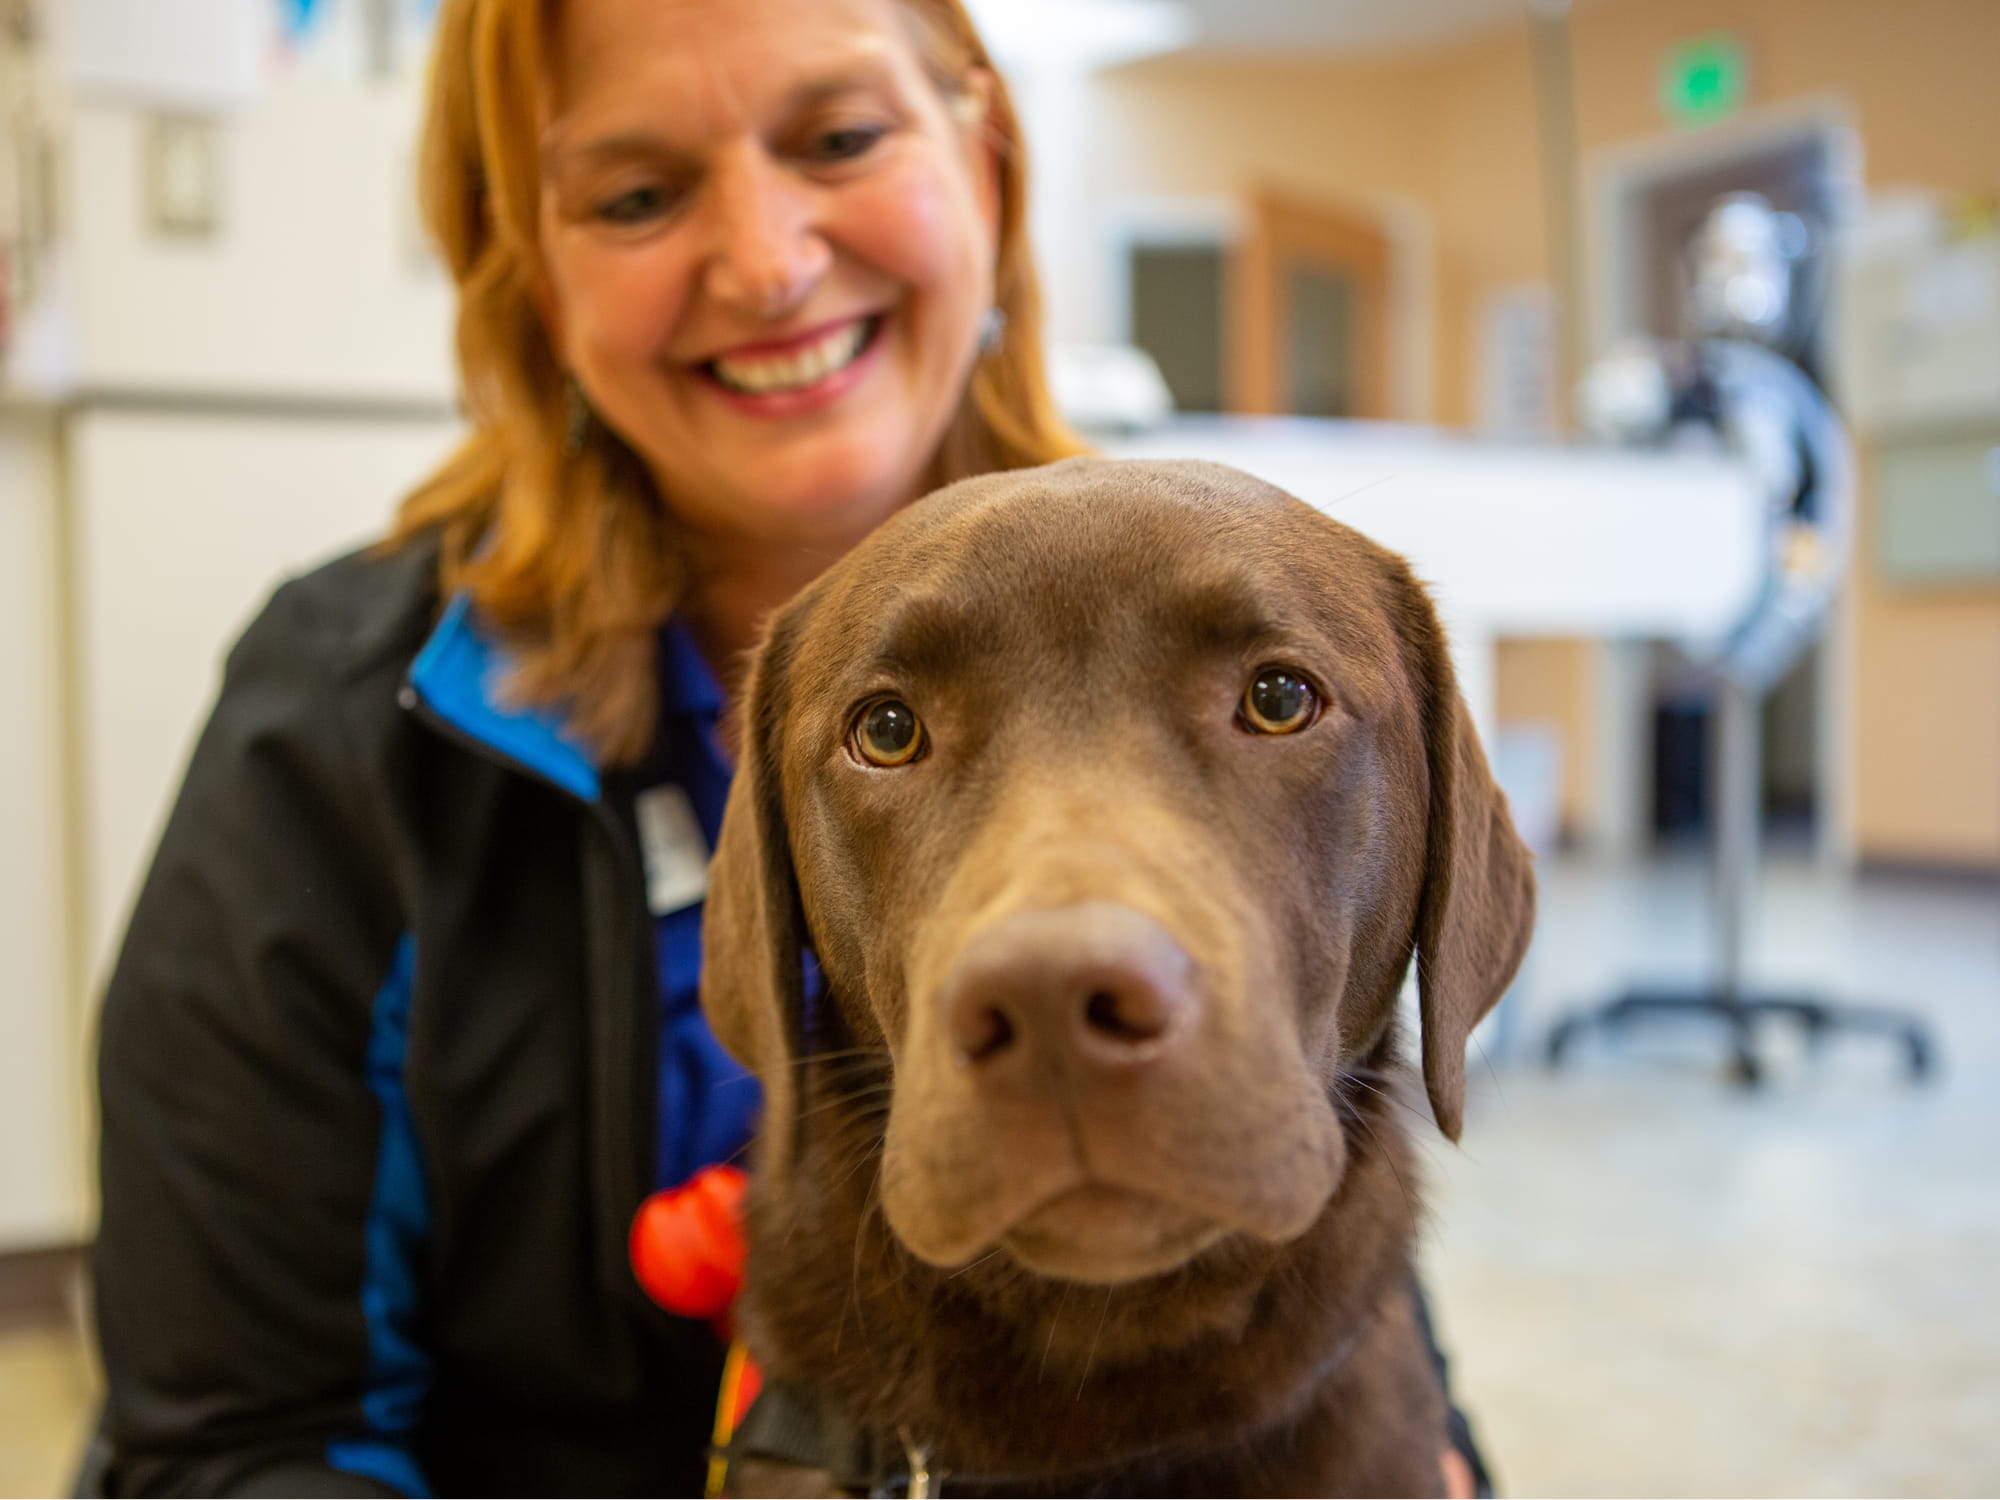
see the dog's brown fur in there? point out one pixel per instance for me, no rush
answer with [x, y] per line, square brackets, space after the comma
[1076, 640]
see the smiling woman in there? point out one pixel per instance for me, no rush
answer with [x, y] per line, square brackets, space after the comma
[750, 276]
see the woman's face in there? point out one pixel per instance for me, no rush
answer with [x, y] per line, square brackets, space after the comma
[769, 247]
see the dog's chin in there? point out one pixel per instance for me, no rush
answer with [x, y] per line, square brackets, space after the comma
[1105, 1235]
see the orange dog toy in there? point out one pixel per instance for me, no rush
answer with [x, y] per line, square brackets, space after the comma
[687, 1251]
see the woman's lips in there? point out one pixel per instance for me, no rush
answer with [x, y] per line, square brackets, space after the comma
[797, 376]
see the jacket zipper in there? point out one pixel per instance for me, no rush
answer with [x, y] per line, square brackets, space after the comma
[615, 1029]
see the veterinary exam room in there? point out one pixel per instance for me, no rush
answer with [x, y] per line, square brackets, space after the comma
[1033, 747]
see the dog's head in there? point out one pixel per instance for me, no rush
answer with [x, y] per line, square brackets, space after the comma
[1112, 800]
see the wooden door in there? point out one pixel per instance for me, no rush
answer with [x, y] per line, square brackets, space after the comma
[1307, 315]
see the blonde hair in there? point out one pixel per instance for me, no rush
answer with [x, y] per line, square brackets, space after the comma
[566, 548]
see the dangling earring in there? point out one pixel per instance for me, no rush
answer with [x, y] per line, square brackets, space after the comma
[576, 418]
[992, 329]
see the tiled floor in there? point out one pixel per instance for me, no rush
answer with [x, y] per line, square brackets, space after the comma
[45, 1402]
[1654, 1283]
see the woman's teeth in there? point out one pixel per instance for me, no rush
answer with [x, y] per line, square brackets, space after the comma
[763, 375]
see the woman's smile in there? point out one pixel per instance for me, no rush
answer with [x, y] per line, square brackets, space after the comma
[808, 372]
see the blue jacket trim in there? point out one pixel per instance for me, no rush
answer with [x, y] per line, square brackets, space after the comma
[385, 1463]
[686, 684]
[398, 1223]
[458, 675]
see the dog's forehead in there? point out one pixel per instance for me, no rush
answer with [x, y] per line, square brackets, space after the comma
[1094, 512]
[1196, 545]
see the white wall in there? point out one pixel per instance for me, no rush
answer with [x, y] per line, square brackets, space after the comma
[41, 1087]
[183, 523]
[314, 281]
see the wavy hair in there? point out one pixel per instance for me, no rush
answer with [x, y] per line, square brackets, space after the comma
[566, 549]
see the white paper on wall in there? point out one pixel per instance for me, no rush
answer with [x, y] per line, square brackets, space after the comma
[172, 54]
[1516, 392]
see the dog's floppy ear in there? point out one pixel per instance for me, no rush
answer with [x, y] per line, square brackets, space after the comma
[1477, 910]
[752, 974]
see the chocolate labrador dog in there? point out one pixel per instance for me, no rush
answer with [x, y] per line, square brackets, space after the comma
[1087, 821]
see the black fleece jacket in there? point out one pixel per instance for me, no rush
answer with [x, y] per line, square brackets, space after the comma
[377, 1071]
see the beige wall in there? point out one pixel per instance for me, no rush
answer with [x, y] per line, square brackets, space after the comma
[1319, 128]
[1454, 130]
[1552, 682]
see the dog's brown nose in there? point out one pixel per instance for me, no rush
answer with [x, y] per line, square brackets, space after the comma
[1096, 982]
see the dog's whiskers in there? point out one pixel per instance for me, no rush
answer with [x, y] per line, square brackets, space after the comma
[972, 1265]
[862, 1221]
[1054, 1319]
[862, 1099]
[1490, 1070]
[1388, 1156]
[1090, 1359]
[842, 1054]
[864, 1153]
[1388, 1095]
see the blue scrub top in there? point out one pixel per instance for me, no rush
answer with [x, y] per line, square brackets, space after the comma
[708, 1105]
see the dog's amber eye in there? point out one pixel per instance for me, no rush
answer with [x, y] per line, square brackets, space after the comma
[888, 733]
[1278, 701]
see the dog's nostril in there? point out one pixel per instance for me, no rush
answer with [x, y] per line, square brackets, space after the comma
[1036, 994]
[1124, 1018]
[985, 1033]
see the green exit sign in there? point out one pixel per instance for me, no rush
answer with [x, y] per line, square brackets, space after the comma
[1704, 80]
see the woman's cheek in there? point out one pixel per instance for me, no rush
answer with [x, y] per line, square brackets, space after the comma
[910, 222]
[623, 301]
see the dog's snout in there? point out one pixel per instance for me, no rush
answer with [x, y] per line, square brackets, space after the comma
[1096, 983]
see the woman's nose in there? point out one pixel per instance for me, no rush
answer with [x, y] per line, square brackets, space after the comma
[767, 252]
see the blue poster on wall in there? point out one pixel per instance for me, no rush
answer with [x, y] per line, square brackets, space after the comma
[295, 18]
[353, 41]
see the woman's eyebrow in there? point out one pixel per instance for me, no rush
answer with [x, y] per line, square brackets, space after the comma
[624, 145]
[867, 72]
[805, 96]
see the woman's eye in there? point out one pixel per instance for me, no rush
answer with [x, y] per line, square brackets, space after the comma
[888, 733]
[635, 206]
[1278, 701]
[847, 142]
